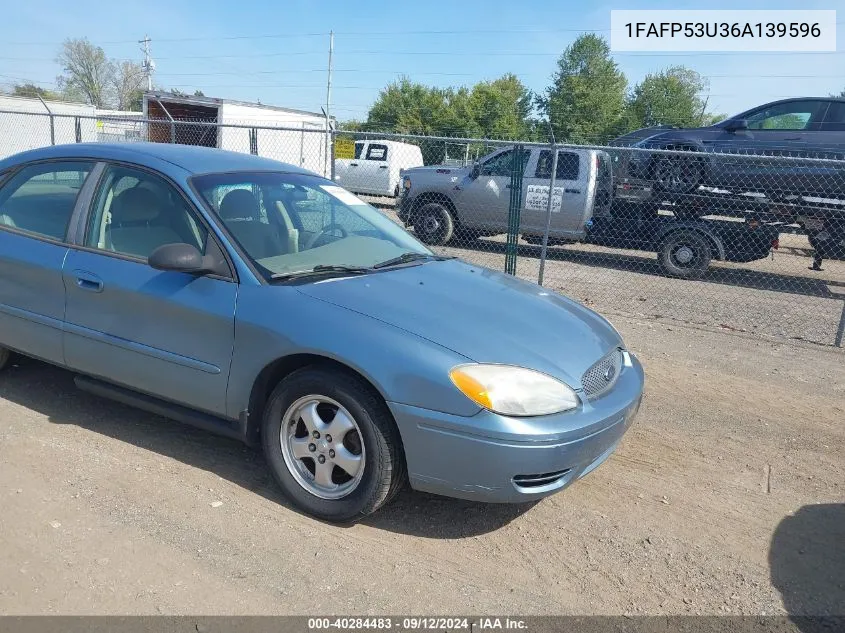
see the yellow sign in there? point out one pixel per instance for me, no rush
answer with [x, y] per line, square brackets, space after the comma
[344, 148]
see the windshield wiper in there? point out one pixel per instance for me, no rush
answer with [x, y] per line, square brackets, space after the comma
[319, 270]
[405, 258]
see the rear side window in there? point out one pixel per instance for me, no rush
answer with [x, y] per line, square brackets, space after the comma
[835, 119]
[377, 152]
[40, 198]
[359, 147]
[568, 164]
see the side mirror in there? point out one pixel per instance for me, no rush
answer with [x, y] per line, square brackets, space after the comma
[475, 171]
[737, 125]
[181, 258]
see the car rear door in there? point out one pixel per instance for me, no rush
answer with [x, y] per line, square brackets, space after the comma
[376, 172]
[167, 334]
[37, 203]
[569, 202]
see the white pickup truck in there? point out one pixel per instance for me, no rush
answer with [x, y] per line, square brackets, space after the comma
[376, 166]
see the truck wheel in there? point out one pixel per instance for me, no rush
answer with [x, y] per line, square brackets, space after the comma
[332, 444]
[434, 224]
[684, 254]
[5, 355]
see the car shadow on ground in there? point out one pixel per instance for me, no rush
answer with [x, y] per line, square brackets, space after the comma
[50, 391]
[647, 265]
[807, 564]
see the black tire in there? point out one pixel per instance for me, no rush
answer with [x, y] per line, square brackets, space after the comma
[384, 467]
[676, 175]
[5, 357]
[677, 246]
[434, 224]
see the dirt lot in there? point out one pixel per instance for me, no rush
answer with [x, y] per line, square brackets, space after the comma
[709, 506]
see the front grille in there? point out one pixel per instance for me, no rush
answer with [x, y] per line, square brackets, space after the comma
[541, 479]
[603, 375]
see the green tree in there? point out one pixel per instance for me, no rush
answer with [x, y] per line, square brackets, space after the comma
[669, 97]
[128, 84]
[586, 99]
[502, 108]
[841, 95]
[86, 72]
[33, 91]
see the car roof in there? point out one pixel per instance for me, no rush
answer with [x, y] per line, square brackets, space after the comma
[191, 158]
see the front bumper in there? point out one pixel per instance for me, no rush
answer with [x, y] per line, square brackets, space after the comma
[494, 458]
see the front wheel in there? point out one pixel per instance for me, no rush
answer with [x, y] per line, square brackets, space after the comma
[434, 224]
[332, 444]
[684, 254]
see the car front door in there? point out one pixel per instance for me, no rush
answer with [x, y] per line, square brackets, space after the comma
[484, 201]
[167, 334]
[782, 129]
[36, 206]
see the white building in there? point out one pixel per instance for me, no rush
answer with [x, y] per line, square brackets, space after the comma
[291, 136]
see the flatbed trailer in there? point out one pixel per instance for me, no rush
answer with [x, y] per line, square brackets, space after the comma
[685, 248]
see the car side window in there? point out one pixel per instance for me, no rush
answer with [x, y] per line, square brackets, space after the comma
[377, 152]
[795, 115]
[136, 212]
[835, 119]
[500, 165]
[568, 164]
[40, 198]
[359, 147]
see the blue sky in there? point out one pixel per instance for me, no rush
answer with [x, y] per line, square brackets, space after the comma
[276, 51]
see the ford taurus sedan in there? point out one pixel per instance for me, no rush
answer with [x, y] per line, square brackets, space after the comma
[263, 302]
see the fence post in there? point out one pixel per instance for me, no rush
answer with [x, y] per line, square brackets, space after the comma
[513, 211]
[544, 250]
[77, 125]
[253, 141]
[331, 152]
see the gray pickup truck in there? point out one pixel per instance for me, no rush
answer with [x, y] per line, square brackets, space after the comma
[438, 201]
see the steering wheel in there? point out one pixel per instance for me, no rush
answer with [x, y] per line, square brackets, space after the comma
[326, 230]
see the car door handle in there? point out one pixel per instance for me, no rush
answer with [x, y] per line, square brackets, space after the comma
[793, 138]
[382, 166]
[88, 281]
[572, 191]
[353, 164]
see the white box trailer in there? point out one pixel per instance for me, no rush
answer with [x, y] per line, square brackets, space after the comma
[26, 124]
[291, 136]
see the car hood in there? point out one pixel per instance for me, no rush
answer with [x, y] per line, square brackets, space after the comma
[483, 315]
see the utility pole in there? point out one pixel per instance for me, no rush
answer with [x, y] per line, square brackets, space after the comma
[329, 144]
[329, 82]
[149, 64]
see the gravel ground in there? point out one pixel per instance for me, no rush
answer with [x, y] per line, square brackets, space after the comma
[725, 497]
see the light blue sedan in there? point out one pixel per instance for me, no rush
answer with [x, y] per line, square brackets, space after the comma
[263, 302]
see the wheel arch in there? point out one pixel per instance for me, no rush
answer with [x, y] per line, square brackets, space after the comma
[277, 370]
[422, 199]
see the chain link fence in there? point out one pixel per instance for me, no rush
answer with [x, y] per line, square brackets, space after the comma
[749, 237]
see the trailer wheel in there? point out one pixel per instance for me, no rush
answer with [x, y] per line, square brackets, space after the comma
[684, 254]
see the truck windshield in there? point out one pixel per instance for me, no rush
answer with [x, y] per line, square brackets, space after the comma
[290, 223]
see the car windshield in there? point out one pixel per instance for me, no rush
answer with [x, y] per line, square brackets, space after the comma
[292, 223]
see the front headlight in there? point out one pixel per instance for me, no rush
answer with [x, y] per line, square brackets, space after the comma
[513, 390]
